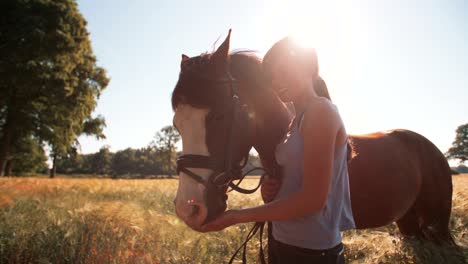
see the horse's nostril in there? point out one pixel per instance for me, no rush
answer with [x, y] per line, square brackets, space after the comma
[195, 210]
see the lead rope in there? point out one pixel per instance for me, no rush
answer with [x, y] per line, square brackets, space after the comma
[237, 188]
[257, 226]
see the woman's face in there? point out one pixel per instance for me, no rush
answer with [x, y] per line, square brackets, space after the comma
[286, 80]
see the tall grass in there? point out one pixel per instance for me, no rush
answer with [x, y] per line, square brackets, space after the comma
[132, 221]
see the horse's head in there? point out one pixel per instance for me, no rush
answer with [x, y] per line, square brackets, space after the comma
[216, 133]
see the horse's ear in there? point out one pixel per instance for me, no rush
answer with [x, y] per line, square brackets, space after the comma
[184, 59]
[221, 56]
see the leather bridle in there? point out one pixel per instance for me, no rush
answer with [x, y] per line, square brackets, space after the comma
[225, 169]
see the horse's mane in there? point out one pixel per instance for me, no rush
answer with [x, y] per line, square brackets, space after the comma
[198, 86]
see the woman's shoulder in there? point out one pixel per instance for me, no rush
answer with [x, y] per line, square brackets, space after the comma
[321, 108]
[320, 113]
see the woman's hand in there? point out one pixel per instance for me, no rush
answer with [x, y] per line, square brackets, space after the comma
[269, 189]
[228, 218]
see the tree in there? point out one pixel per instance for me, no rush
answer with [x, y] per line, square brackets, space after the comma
[459, 149]
[100, 162]
[28, 156]
[61, 149]
[461, 169]
[123, 162]
[49, 81]
[70, 163]
[164, 143]
[94, 127]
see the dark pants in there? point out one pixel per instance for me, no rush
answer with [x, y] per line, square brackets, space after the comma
[280, 253]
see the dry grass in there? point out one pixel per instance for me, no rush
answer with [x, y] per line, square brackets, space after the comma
[132, 221]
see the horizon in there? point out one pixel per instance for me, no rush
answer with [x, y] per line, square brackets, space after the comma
[387, 65]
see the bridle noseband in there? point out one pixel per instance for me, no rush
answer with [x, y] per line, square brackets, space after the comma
[225, 170]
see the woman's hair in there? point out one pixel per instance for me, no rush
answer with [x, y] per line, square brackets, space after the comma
[321, 89]
[287, 50]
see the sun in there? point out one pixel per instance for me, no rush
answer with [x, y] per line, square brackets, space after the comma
[304, 40]
[313, 24]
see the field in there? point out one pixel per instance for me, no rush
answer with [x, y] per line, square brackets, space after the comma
[132, 221]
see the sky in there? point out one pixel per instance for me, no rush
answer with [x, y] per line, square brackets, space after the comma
[387, 64]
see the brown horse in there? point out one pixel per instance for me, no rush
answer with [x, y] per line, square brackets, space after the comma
[395, 176]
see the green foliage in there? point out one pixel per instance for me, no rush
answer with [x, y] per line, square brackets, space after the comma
[147, 162]
[71, 163]
[459, 149]
[166, 138]
[94, 127]
[136, 163]
[124, 162]
[49, 81]
[158, 158]
[164, 143]
[461, 169]
[101, 161]
[28, 157]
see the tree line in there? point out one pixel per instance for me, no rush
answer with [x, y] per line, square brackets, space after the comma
[157, 159]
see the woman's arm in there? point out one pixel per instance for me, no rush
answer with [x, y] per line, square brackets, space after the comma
[320, 128]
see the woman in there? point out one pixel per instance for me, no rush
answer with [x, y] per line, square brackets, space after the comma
[312, 204]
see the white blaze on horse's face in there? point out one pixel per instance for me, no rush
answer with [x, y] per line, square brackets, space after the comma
[189, 203]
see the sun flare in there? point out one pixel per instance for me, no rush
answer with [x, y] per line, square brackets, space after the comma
[331, 28]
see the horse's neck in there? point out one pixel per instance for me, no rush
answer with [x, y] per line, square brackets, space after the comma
[272, 120]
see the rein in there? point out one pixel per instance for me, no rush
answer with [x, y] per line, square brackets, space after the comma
[215, 180]
[224, 171]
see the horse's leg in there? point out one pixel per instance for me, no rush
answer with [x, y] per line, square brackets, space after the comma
[409, 225]
[434, 203]
[434, 200]
[435, 218]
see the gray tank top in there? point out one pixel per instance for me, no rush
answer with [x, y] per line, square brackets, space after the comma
[320, 230]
